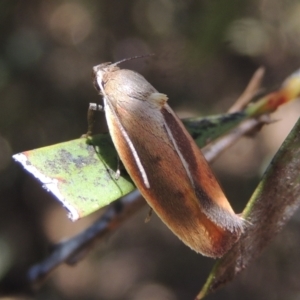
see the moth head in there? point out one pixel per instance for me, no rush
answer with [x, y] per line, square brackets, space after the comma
[100, 72]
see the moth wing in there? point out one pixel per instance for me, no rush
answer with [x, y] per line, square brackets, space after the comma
[115, 128]
[211, 198]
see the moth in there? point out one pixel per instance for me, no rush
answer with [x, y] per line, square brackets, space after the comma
[165, 163]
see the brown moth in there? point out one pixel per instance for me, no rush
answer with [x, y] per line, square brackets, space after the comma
[165, 163]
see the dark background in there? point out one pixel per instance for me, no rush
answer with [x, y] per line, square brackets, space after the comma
[205, 53]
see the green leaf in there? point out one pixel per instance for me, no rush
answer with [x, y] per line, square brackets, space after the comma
[80, 173]
[207, 129]
[271, 206]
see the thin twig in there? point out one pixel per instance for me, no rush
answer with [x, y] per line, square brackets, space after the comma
[74, 249]
[250, 91]
[214, 149]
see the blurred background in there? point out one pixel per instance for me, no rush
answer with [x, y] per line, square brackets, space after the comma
[205, 54]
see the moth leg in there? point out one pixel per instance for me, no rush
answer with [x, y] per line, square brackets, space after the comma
[116, 174]
[96, 107]
[91, 117]
[148, 218]
[118, 171]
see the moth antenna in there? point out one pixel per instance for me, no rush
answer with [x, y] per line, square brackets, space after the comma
[132, 58]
